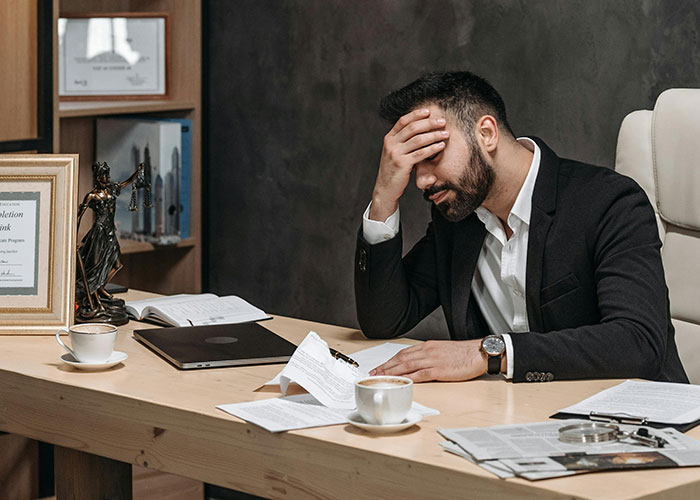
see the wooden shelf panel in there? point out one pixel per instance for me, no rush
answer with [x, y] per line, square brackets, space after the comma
[132, 246]
[72, 109]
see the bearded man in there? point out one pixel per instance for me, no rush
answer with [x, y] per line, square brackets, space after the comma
[546, 268]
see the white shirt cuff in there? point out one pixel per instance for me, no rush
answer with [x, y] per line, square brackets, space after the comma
[509, 356]
[375, 231]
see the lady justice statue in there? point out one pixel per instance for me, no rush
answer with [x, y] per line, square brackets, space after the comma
[99, 255]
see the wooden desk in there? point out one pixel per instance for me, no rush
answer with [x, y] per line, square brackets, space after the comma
[148, 413]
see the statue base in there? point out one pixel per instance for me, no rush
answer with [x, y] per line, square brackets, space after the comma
[114, 313]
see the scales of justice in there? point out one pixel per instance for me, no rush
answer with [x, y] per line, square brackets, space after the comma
[98, 253]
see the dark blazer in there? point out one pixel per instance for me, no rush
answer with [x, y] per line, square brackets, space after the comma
[597, 300]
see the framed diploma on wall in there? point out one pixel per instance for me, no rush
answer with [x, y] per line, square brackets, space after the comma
[113, 56]
[38, 205]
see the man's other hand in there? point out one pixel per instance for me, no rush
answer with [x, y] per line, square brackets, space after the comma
[444, 360]
[415, 137]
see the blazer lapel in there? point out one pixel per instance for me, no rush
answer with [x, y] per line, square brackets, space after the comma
[468, 238]
[544, 199]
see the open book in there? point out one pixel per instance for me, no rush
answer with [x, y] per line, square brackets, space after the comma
[195, 310]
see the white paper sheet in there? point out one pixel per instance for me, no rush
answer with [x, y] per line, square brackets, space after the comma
[330, 380]
[368, 359]
[662, 402]
[287, 413]
[297, 412]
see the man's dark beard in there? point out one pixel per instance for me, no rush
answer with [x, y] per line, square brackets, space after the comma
[470, 192]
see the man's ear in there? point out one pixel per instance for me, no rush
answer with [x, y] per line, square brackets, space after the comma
[486, 130]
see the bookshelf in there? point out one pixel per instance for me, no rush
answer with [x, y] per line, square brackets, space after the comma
[167, 269]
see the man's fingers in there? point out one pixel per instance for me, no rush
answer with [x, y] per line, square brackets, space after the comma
[406, 361]
[419, 127]
[421, 140]
[426, 152]
[424, 375]
[401, 123]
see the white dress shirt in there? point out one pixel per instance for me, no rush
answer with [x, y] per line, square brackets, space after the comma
[499, 283]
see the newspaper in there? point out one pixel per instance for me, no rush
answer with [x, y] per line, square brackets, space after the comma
[541, 439]
[533, 451]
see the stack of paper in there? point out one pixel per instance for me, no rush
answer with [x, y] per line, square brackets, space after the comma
[534, 451]
[329, 381]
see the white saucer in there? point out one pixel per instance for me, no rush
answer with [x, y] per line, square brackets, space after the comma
[116, 358]
[411, 419]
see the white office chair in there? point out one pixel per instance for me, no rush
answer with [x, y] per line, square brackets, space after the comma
[660, 149]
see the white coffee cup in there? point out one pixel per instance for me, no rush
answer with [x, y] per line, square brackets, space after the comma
[383, 399]
[90, 342]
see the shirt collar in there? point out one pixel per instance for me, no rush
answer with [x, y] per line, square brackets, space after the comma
[523, 202]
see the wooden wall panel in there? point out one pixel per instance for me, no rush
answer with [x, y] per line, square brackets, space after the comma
[18, 63]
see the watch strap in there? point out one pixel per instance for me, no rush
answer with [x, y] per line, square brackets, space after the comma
[494, 365]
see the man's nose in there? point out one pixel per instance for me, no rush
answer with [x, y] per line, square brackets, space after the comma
[424, 176]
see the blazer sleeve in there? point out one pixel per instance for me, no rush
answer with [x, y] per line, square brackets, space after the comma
[393, 294]
[631, 339]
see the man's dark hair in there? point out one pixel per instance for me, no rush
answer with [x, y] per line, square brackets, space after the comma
[465, 95]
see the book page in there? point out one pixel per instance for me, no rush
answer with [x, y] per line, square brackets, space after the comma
[136, 307]
[204, 309]
[662, 402]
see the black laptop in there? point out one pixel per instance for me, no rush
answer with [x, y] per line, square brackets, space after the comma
[217, 345]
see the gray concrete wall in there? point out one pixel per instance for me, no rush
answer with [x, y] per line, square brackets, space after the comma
[294, 140]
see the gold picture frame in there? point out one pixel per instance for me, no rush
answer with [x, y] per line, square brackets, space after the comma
[38, 206]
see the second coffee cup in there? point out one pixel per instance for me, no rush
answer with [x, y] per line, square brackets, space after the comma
[90, 342]
[383, 400]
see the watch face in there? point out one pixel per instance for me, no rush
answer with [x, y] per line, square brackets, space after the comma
[493, 345]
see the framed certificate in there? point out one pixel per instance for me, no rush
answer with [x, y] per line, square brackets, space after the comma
[113, 56]
[38, 207]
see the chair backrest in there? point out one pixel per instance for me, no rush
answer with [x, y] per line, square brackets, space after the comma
[660, 149]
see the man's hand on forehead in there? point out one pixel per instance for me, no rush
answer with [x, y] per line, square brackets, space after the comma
[416, 136]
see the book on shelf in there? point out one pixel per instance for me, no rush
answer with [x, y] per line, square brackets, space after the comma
[195, 310]
[185, 160]
[124, 143]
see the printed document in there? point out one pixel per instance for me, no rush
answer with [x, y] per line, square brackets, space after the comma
[329, 381]
[368, 359]
[662, 402]
[296, 412]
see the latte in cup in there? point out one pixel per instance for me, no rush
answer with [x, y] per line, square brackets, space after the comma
[383, 400]
[89, 342]
[381, 381]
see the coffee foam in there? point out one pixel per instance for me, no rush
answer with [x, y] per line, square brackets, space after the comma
[383, 383]
[92, 329]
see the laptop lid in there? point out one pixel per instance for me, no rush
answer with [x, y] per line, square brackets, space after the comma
[212, 346]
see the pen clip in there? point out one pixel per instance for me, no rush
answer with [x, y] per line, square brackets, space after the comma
[617, 418]
[344, 357]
